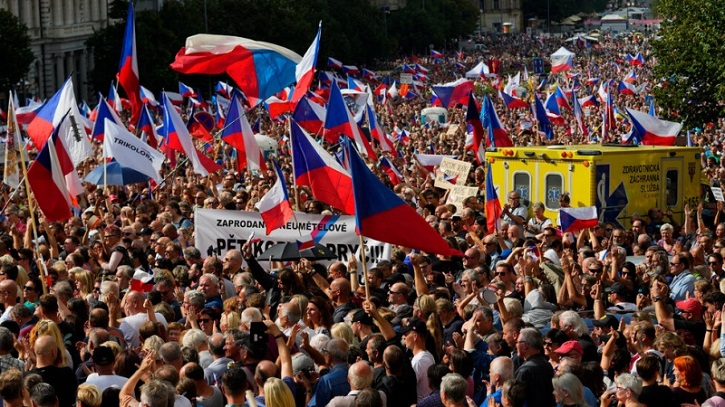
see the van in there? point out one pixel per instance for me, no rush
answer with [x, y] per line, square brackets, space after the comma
[619, 180]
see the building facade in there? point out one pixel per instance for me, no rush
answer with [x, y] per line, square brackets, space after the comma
[58, 31]
[501, 16]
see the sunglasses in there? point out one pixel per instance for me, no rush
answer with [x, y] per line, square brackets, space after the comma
[595, 270]
[204, 320]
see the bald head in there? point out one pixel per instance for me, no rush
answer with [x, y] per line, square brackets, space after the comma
[8, 292]
[232, 262]
[360, 376]
[134, 302]
[45, 350]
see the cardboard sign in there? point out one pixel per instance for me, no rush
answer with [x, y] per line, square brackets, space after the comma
[452, 172]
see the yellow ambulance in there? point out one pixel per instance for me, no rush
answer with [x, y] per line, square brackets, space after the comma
[618, 180]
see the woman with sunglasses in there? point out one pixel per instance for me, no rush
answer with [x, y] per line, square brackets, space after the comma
[31, 292]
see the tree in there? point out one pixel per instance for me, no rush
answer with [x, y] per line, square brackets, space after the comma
[689, 53]
[15, 49]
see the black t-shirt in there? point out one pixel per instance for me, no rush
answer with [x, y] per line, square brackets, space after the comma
[63, 380]
[657, 395]
[696, 327]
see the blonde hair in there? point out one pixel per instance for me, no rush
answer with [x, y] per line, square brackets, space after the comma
[343, 331]
[514, 307]
[302, 302]
[89, 395]
[85, 278]
[276, 393]
[428, 306]
[48, 327]
[114, 346]
[153, 343]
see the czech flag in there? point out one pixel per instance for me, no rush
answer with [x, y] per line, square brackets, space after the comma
[200, 125]
[497, 135]
[238, 134]
[473, 118]
[575, 219]
[186, 91]
[142, 281]
[223, 88]
[635, 60]
[339, 120]
[48, 117]
[408, 69]
[631, 77]
[178, 138]
[148, 98]
[376, 132]
[543, 118]
[493, 206]
[561, 99]
[454, 93]
[104, 112]
[24, 115]
[309, 115]
[334, 63]
[435, 54]
[128, 76]
[305, 70]
[369, 75]
[389, 169]
[50, 175]
[274, 207]
[588, 101]
[512, 102]
[626, 88]
[314, 167]
[579, 116]
[420, 69]
[147, 125]
[260, 69]
[381, 215]
[351, 70]
[653, 131]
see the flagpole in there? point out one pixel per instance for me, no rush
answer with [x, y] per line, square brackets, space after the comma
[105, 168]
[294, 177]
[364, 262]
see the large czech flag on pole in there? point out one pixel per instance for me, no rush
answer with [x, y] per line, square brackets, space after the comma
[653, 131]
[260, 69]
[238, 134]
[274, 207]
[49, 176]
[315, 167]
[381, 215]
[493, 206]
[574, 219]
[305, 70]
[128, 76]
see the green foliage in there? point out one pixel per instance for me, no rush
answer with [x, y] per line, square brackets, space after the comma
[15, 48]
[352, 31]
[689, 54]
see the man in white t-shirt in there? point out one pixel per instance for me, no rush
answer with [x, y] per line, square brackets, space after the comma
[104, 377]
[136, 314]
[414, 336]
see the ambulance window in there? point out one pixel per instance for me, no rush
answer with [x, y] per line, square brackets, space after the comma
[553, 187]
[522, 182]
[672, 192]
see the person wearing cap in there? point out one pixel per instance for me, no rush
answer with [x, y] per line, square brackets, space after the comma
[570, 349]
[414, 336]
[603, 326]
[689, 309]
[362, 328]
[104, 377]
[617, 295]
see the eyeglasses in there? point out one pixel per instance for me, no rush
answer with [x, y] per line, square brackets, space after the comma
[501, 273]
[28, 288]
[547, 344]
[675, 264]
[608, 229]
[204, 320]
[622, 388]
[393, 292]
[595, 270]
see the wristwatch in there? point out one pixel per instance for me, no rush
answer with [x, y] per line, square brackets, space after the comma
[656, 299]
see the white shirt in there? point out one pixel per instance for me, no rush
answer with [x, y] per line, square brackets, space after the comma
[421, 362]
[130, 326]
[105, 381]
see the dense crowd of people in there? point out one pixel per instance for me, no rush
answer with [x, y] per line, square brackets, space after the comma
[529, 316]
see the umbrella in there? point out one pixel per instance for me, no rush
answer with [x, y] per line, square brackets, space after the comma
[116, 175]
[289, 251]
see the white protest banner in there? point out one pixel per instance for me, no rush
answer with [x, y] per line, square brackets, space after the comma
[218, 231]
[458, 194]
[452, 172]
[131, 152]
[717, 193]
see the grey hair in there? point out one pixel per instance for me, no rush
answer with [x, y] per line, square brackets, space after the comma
[63, 289]
[338, 350]
[191, 252]
[718, 370]
[454, 386]
[486, 312]
[108, 287]
[472, 274]
[156, 393]
[631, 382]
[667, 226]
[196, 298]
[532, 337]
[570, 384]
[126, 270]
[503, 366]
[170, 352]
[572, 319]
[250, 315]
[214, 280]
[194, 338]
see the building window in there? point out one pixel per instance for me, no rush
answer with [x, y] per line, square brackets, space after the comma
[496, 5]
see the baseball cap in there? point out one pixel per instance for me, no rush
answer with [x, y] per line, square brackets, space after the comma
[606, 321]
[103, 356]
[691, 305]
[569, 346]
[416, 326]
[617, 288]
[361, 316]
[146, 232]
